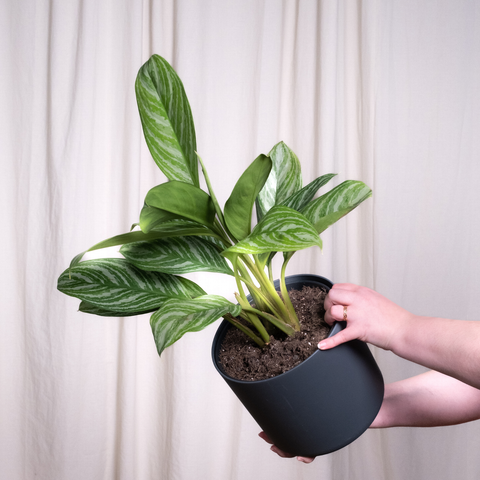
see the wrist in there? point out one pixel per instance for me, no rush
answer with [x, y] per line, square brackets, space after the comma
[400, 340]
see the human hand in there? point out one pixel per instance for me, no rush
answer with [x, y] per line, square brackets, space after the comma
[370, 316]
[281, 453]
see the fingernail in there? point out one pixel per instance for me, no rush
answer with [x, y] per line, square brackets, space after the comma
[322, 345]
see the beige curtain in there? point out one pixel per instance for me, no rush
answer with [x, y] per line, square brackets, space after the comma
[381, 91]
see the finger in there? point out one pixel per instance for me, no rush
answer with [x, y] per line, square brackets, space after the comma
[281, 453]
[341, 337]
[305, 459]
[274, 448]
[340, 296]
[346, 286]
[336, 313]
[264, 436]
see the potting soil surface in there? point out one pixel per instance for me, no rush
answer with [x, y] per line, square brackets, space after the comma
[242, 359]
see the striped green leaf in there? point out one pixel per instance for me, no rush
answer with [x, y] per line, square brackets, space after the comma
[86, 307]
[116, 285]
[239, 206]
[281, 230]
[175, 318]
[284, 180]
[177, 255]
[333, 205]
[299, 199]
[167, 120]
[132, 237]
[184, 200]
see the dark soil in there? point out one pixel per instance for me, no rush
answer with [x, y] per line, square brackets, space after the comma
[242, 359]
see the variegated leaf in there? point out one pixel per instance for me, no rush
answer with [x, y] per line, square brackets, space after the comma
[281, 230]
[333, 205]
[86, 307]
[177, 255]
[175, 318]
[136, 236]
[299, 199]
[167, 120]
[284, 180]
[184, 200]
[114, 284]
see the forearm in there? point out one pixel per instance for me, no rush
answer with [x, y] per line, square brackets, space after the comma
[448, 346]
[428, 400]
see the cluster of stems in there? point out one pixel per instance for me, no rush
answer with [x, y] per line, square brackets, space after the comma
[271, 308]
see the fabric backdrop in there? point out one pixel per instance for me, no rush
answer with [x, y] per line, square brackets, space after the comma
[380, 91]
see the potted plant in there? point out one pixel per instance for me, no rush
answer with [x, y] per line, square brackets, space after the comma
[183, 229]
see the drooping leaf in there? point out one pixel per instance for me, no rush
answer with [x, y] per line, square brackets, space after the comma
[184, 200]
[114, 284]
[299, 199]
[175, 318]
[167, 120]
[284, 180]
[239, 206]
[86, 307]
[176, 255]
[281, 230]
[333, 205]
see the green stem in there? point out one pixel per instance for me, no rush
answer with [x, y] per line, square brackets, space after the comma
[243, 301]
[210, 190]
[260, 300]
[253, 318]
[245, 330]
[218, 210]
[286, 297]
[270, 271]
[267, 287]
[284, 327]
[255, 292]
[221, 234]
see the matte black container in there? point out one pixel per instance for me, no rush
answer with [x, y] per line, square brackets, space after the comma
[319, 406]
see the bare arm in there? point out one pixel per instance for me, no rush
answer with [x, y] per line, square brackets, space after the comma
[448, 346]
[428, 400]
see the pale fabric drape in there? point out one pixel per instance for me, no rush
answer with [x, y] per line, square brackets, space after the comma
[381, 91]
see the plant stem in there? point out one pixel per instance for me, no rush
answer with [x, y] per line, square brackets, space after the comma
[245, 330]
[269, 289]
[253, 318]
[270, 271]
[284, 327]
[286, 297]
[243, 301]
[255, 292]
[218, 210]
[221, 234]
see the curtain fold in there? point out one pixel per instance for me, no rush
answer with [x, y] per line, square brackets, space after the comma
[383, 92]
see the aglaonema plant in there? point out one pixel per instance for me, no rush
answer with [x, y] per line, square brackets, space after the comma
[183, 229]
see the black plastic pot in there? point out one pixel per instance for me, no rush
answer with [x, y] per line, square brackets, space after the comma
[321, 405]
